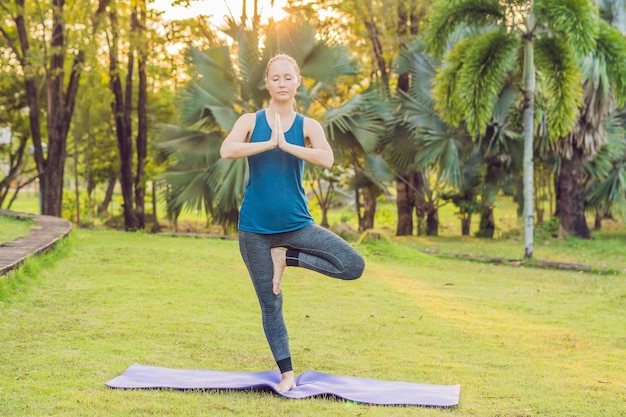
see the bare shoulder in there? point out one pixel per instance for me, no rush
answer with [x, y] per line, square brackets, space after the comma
[310, 123]
[243, 127]
[247, 120]
[312, 129]
[314, 135]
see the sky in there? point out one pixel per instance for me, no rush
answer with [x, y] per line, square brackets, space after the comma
[219, 8]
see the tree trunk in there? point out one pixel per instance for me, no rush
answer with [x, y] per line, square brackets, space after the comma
[487, 225]
[357, 204]
[528, 118]
[122, 106]
[142, 119]
[571, 199]
[369, 210]
[156, 226]
[466, 222]
[32, 90]
[432, 222]
[323, 195]
[598, 221]
[16, 162]
[405, 203]
[103, 208]
[377, 49]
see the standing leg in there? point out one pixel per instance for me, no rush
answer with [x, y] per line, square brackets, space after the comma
[255, 251]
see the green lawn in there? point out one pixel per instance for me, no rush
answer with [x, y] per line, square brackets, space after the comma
[521, 341]
[12, 227]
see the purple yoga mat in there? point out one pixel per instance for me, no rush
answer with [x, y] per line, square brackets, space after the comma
[308, 384]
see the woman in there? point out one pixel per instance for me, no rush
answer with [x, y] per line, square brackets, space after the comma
[276, 229]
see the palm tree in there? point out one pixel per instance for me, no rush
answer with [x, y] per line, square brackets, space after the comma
[469, 167]
[219, 92]
[355, 129]
[475, 69]
[422, 144]
[604, 84]
[605, 185]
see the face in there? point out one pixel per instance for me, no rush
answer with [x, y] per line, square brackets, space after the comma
[282, 80]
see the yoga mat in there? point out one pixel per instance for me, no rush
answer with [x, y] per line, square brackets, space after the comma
[308, 384]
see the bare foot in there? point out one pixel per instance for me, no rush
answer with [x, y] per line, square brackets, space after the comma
[279, 260]
[287, 381]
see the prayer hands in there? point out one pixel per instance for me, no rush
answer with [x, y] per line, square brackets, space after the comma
[278, 135]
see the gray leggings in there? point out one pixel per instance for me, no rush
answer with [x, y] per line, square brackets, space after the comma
[319, 250]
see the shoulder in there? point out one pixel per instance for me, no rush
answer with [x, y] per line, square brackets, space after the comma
[311, 124]
[314, 134]
[246, 121]
[247, 118]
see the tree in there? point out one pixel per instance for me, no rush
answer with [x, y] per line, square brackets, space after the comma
[605, 185]
[15, 171]
[96, 153]
[468, 167]
[50, 57]
[475, 69]
[135, 50]
[388, 26]
[604, 85]
[423, 148]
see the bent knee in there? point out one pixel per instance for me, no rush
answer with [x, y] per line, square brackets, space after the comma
[355, 269]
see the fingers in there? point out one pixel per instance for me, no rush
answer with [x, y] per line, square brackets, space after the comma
[279, 132]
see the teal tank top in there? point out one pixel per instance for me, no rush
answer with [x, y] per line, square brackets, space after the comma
[274, 200]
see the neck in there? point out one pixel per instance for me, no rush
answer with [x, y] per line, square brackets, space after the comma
[282, 108]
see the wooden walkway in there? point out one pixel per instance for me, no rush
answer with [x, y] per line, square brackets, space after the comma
[46, 232]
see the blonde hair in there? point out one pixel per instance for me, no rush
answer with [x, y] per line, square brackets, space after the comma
[282, 57]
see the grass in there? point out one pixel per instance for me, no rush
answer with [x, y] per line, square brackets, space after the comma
[520, 341]
[13, 227]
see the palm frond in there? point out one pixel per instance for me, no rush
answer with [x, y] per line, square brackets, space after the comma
[402, 150]
[188, 189]
[228, 178]
[251, 69]
[214, 72]
[378, 168]
[562, 83]
[446, 91]
[200, 106]
[208, 99]
[443, 151]
[356, 123]
[575, 21]
[610, 190]
[446, 16]
[489, 61]
[296, 39]
[195, 149]
[418, 112]
[611, 51]
[326, 62]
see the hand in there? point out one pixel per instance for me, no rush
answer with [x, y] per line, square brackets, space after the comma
[282, 142]
[275, 133]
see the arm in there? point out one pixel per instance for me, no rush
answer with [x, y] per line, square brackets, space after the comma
[237, 144]
[319, 153]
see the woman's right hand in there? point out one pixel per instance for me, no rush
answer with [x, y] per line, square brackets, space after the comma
[276, 130]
